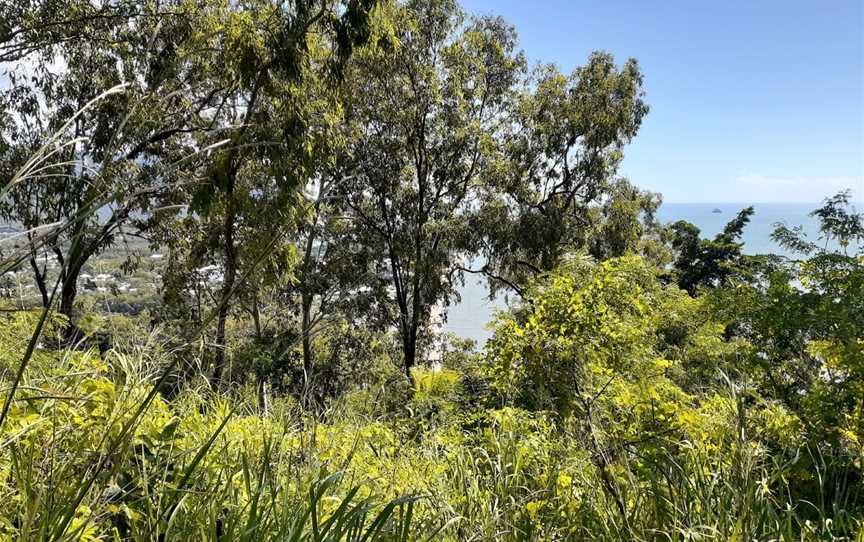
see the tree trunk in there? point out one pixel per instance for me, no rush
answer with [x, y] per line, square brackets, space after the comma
[409, 347]
[307, 296]
[68, 293]
[306, 303]
[407, 325]
[263, 395]
[410, 358]
[219, 358]
[256, 317]
[229, 169]
[227, 286]
[39, 276]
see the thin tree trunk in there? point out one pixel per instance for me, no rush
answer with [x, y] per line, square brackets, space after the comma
[263, 395]
[410, 358]
[227, 287]
[230, 172]
[406, 323]
[256, 316]
[39, 276]
[409, 346]
[306, 298]
[307, 340]
[68, 293]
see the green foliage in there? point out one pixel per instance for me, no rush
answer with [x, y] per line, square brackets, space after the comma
[594, 328]
[804, 320]
[199, 466]
[424, 120]
[321, 174]
[633, 370]
[165, 473]
[709, 263]
[559, 161]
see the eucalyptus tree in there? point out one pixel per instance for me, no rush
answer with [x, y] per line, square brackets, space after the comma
[281, 64]
[124, 86]
[333, 268]
[562, 150]
[624, 222]
[426, 113]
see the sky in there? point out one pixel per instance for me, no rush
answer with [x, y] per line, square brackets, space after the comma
[751, 101]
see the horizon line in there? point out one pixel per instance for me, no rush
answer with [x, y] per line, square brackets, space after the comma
[753, 202]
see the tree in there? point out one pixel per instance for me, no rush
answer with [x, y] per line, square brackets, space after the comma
[123, 148]
[333, 272]
[624, 222]
[709, 263]
[275, 126]
[427, 116]
[561, 152]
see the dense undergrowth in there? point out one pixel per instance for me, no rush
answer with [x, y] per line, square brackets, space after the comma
[99, 448]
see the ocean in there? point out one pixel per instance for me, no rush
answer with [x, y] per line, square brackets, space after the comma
[757, 234]
[470, 317]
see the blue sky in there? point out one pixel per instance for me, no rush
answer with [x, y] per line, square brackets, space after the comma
[751, 101]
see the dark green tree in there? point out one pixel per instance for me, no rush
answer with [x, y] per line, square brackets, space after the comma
[709, 262]
[805, 321]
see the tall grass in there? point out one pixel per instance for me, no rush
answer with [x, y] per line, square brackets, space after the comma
[82, 460]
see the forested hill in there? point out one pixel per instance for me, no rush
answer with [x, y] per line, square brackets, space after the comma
[237, 227]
